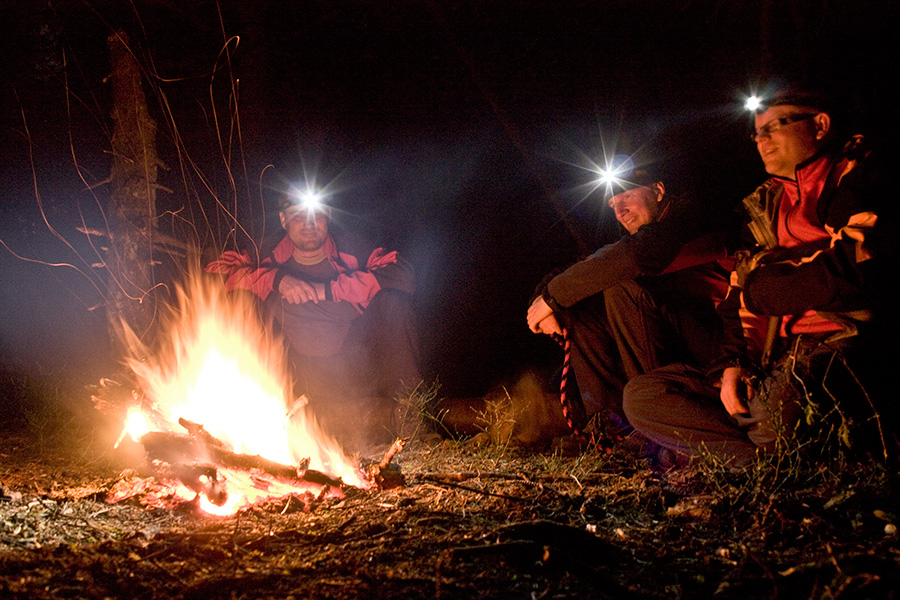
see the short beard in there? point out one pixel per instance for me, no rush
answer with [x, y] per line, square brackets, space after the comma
[311, 245]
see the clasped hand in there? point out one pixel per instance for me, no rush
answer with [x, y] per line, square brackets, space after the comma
[297, 291]
[541, 318]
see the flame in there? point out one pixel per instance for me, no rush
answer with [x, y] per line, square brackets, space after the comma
[136, 423]
[219, 366]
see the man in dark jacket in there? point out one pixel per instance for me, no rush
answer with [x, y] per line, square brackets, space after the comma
[802, 312]
[639, 303]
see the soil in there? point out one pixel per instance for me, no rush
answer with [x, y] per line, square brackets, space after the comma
[488, 521]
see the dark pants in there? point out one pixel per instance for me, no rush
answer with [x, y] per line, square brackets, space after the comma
[377, 356]
[810, 394]
[631, 329]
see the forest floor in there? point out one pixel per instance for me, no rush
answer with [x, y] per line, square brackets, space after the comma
[489, 521]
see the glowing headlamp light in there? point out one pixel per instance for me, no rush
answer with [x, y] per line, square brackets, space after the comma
[607, 177]
[311, 200]
[307, 199]
[615, 174]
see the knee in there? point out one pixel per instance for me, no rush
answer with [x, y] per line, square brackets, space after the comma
[390, 300]
[391, 309]
[640, 398]
[625, 296]
[647, 398]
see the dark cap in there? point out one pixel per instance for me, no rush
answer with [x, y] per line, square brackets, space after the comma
[623, 175]
[639, 178]
[287, 199]
[796, 94]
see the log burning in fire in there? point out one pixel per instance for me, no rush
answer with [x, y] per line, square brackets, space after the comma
[217, 411]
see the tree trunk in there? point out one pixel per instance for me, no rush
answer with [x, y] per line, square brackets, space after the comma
[132, 203]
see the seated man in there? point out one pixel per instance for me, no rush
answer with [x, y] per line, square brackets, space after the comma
[639, 303]
[344, 307]
[818, 273]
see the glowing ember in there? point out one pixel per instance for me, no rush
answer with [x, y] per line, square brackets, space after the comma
[221, 368]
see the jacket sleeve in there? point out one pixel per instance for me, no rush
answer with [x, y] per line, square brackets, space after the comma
[743, 335]
[243, 273]
[665, 246]
[383, 270]
[832, 279]
[605, 268]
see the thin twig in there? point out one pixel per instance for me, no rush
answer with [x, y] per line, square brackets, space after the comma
[482, 492]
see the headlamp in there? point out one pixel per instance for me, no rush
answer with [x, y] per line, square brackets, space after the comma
[312, 200]
[813, 98]
[307, 198]
[620, 174]
[615, 173]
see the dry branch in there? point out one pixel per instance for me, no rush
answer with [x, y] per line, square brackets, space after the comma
[384, 474]
[184, 450]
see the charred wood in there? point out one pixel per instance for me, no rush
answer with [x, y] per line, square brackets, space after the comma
[180, 449]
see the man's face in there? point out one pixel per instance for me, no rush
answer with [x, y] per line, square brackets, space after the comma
[306, 230]
[790, 144]
[637, 207]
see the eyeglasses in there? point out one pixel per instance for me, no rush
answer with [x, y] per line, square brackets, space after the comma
[776, 124]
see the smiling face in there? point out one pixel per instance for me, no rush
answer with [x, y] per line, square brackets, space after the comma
[637, 207]
[789, 144]
[306, 230]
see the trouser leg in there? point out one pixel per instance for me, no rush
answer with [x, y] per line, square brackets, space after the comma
[810, 393]
[700, 332]
[384, 345]
[645, 337]
[594, 357]
[322, 378]
[678, 408]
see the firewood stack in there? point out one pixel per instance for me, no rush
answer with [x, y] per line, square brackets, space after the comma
[197, 458]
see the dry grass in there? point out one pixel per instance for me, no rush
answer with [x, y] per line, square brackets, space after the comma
[472, 521]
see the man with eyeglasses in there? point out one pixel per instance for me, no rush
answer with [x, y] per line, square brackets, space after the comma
[803, 365]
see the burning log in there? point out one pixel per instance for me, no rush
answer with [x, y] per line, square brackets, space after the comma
[196, 457]
[198, 431]
[203, 479]
[178, 449]
[219, 364]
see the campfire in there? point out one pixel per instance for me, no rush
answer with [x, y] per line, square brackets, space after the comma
[216, 416]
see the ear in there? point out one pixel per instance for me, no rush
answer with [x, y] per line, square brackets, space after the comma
[822, 123]
[281, 217]
[660, 190]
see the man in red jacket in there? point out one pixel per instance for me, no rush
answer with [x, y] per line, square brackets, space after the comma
[819, 277]
[343, 306]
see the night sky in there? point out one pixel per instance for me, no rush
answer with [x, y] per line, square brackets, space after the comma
[453, 131]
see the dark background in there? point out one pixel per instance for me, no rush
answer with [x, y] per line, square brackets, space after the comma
[456, 131]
